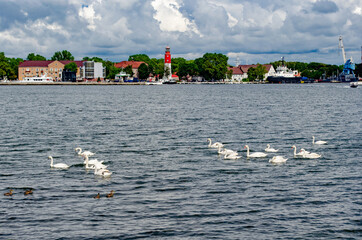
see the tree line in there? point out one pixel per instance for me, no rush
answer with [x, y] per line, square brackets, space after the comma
[211, 66]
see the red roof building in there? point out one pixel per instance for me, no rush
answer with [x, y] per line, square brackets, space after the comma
[241, 72]
[135, 65]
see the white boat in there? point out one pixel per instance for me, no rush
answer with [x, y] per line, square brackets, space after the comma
[154, 83]
[42, 79]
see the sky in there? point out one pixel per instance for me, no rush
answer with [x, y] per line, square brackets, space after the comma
[247, 31]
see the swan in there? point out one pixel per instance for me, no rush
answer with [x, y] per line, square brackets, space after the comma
[102, 171]
[94, 163]
[303, 151]
[85, 153]
[110, 194]
[269, 149]
[232, 156]
[214, 145]
[319, 142]
[278, 159]
[307, 154]
[297, 155]
[255, 154]
[226, 151]
[58, 165]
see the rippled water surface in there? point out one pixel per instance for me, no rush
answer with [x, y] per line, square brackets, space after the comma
[167, 182]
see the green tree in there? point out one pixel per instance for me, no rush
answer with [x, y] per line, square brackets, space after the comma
[71, 67]
[140, 58]
[143, 71]
[187, 68]
[260, 71]
[128, 70]
[252, 74]
[212, 66]
[8, 67]
[33, 57]
[63, 55]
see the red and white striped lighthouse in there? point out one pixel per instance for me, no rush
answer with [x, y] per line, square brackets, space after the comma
[167, 66]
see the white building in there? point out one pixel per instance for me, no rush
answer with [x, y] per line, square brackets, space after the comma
[92, 71]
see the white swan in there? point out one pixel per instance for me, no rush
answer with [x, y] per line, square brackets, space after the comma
[278, 159]
[94, 162]
[58, 165]
[214, 145]
[102, 171]
[255, 154]
[232, 156]
[310, 155]
[269, 149]
[319, 142]
[226, 151]
[85, 153]
[297, 155]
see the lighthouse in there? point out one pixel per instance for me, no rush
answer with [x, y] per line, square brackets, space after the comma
[167, 66]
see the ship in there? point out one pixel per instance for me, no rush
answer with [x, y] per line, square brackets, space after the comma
[285, 75]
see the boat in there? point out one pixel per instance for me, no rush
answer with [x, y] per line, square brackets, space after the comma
[284, 75]
[42, 79]
[353, 84]
[154, 83]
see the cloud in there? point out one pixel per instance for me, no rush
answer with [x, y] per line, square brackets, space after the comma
[88, 13]
[325, 6]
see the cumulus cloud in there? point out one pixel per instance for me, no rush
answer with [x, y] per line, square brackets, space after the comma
[251, 30]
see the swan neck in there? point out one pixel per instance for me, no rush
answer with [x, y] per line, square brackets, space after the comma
[51, 161]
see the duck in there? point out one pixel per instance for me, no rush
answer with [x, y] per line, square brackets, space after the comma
[278, 159]
[297, 155]
[10, 193]
[232, 156]
[226, 151]
[109, 195]
[269, 149]
[319, 142]
[214, 145]
[27, 192]
[98, 196]
[85, 153]
[58, 165]
[255, 154]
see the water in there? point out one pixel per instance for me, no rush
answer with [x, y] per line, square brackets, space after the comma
[167, 182]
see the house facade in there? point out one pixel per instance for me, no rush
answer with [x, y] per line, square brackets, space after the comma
[92, 71]
[49, 68]
[135, 65]
[241, 72]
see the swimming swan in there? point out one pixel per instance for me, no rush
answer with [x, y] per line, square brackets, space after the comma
[297, 155]
[214, 145]
[269, 149]
[94, 163]
[226, 151]
[58, 165]
[255, 154]
[319, 142]
[102, 171]
[85, 153]
[310, 155]
[278, 159]
[232, 156]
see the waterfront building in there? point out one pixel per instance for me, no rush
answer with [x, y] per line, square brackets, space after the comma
[92, 71]
[135, 65]
[47, 68]
[240, 72]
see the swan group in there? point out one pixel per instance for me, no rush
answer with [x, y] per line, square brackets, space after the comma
[85, 153]
[233, 155]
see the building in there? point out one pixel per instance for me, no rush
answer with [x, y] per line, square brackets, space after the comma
[92, 71]
[241, 72]
[135, 65]
[167, 64]
[48, 68]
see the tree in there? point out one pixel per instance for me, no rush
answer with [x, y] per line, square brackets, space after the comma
[33, 57]
[8, 67]
[212, 66]
[128, 70]
[187, 68]
[143, 71]
[71, 67]
[63, 55]
[140, 58]
[260, 71]
[252, 74]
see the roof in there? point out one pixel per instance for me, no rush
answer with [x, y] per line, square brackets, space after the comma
[46, 63]
[123, 64]
[239, 70]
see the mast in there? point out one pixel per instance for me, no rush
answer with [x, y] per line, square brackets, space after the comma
[342, 47]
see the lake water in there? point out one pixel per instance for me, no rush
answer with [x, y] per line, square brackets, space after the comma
[167, 182]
